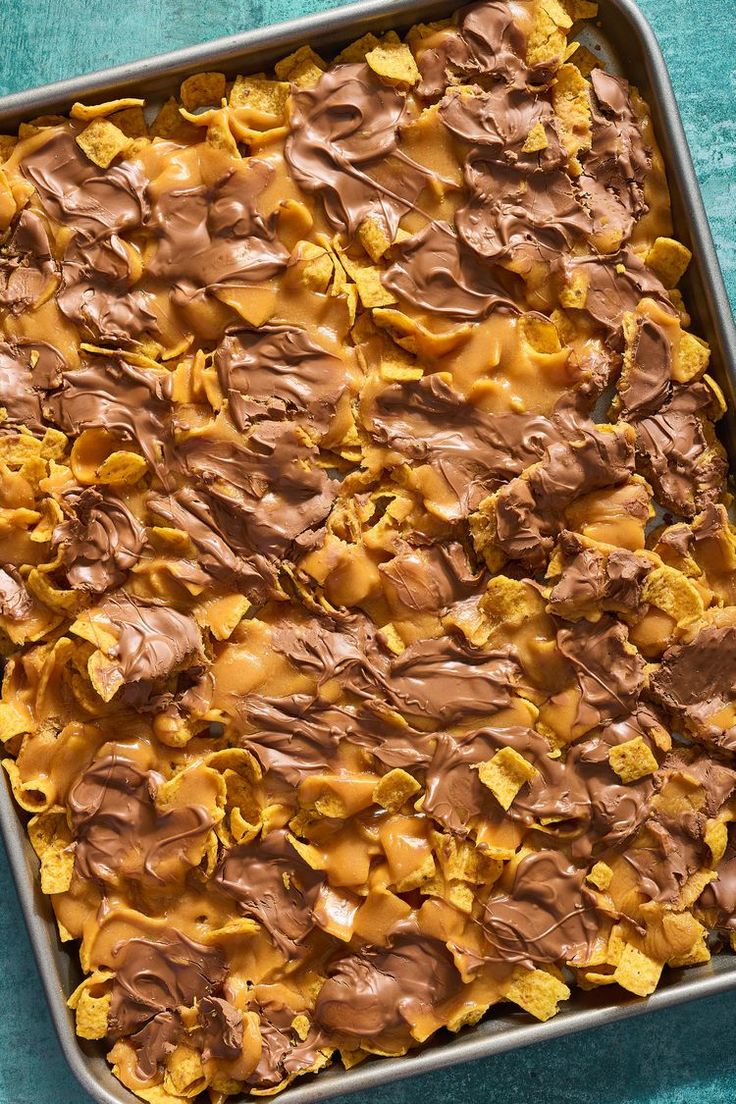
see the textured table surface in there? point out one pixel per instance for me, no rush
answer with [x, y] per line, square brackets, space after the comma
[684, 1056]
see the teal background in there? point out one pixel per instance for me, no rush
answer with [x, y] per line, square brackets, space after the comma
[684, 1056]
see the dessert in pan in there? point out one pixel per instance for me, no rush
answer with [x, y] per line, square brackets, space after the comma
[368, 594]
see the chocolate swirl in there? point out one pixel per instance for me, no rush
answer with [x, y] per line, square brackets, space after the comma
[279, 372]
[529, 510]
[487, 42]
[549, 915]
[435, 271]
[209, 237]
[381, 994]
[99, 542]
[274, 886]
[153, 979]
[119, 831]
[339, 131]
[15, 601]
[153, 640]
[26, 263]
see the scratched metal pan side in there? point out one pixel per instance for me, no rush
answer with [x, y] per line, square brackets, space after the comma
[624, 40]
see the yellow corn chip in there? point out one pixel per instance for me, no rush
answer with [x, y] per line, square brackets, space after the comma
[371, 291]
[692, 360]
[131, 121]
[303, 68]
[92, 1015]
[102, 142]
[270, 97]
[394, 789]
[632, 760]
[373, 239]
[394, 62]
[504, 775]
[184, 1072]
[57, 867]
[575, 293]
[122, 467]
[536, 139]
[637, 972]
[537, 992]
[600, 876]
[202, 90]
[169, 123]
[669, 260]
[547, 38]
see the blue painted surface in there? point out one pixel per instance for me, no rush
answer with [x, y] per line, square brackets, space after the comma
[684, 1056]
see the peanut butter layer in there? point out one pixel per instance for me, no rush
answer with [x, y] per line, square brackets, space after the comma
[367, 583]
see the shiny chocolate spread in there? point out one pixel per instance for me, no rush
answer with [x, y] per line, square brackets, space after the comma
[368, 590]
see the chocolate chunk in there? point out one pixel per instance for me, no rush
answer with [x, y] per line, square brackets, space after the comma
[487, 42]
[210, 237]
[696, 681]
[436, 271]
[15, 601]
[153, 640]
[609, 671]
[278, 372]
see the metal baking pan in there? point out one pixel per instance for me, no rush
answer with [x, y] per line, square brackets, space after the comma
[625, 41]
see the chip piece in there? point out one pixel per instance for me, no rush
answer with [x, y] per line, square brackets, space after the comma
[270, 97]
[537, 992]
[692, 360]
[536, 139]
[92, 1015]
[57, 867]
[394, 789]
[671, 591]
[600, 876]
[547, 38]
[370, 289]
[102, 142]
[632, 760]
[169, 123]
[125, 468]
[637, 972]
[302, 68]
[394, 63]
[373, 239]
[132, 121]
[669, 260]
[202, 90]
[571, 102]
[505, 773]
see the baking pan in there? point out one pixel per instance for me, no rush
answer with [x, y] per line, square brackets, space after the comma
[624, 40]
